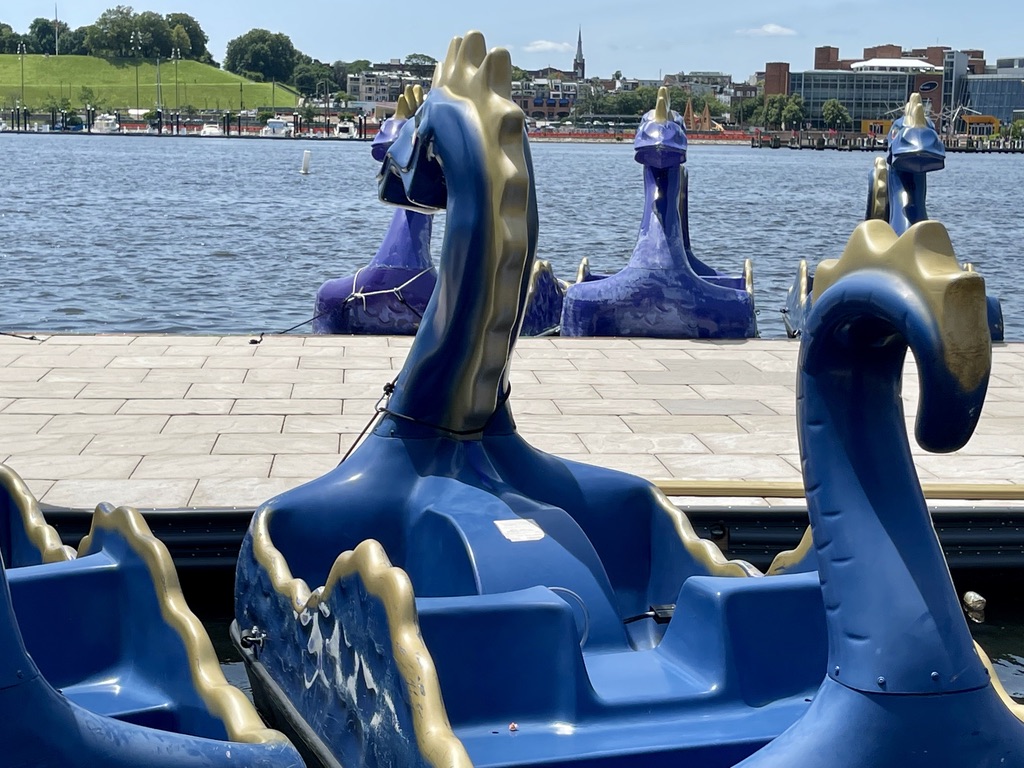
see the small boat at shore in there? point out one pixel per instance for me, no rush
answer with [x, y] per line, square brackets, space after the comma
[277, 128]
[211, 129]
[105, 123]
[346, 129]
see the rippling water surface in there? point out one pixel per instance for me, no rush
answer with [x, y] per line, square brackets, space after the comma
[110, 233]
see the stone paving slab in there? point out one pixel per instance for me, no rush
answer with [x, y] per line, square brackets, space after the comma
[174, 421]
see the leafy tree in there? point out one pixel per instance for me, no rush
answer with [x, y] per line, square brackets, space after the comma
[617, 74]
[43, 34]
[9, 39]
[744, 111]
[420, 60]
[835, 114]
[111, 35]
[88, 97]
[793, 112]
[308, 77]
[271, 55]
[73, 43]
[518, 74]
[181, 42]
[197, 38]
[155, 33]
[1017, 129]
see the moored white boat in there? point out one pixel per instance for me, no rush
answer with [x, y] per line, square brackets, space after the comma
[105, 123]
[278, 128]
[345, 129]
[211, 129]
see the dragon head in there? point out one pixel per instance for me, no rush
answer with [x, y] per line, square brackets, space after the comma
[465, 121]
[408, 103]
[914, 144]
[661, 138]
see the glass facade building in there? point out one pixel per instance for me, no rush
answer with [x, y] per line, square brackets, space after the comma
[996, 95]
[867, 95]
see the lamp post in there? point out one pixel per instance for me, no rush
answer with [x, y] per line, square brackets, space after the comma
[21, 57]
[136, 50]
[176, 55]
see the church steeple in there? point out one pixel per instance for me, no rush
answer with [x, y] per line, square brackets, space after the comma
[579, 64]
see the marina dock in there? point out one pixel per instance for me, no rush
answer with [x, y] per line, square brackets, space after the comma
[217, 421]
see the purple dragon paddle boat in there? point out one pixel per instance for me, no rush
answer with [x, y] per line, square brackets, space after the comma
[390, 294]
[665, 291]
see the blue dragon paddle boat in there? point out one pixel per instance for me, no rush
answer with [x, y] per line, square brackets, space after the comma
[897, 193]
[101, 661]
[905, 684]
[390, 293]
[665, 290]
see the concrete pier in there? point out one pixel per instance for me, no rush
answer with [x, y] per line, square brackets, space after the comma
[177, 421]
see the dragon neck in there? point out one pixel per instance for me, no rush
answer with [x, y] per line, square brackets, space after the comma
[660, 244]
[456, 375]
[894, 623]
[907, 194]
[407, 242]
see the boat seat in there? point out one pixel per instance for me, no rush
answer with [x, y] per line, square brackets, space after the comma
[469, 548]
[516, 656]
[117, 658]
[139, 704]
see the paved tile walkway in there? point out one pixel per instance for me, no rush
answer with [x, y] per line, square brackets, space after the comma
[172, 421]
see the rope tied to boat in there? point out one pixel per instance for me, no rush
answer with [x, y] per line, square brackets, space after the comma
[397, 291]
[378, 409]
[355, 294]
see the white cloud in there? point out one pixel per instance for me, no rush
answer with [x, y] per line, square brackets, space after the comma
[547, 46]
[767, 30]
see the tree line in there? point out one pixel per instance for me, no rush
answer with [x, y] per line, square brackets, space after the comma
[119, 32]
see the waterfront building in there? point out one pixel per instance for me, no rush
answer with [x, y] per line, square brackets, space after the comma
[543, 94]
[957, 87]
[545, 98]
[384, 83]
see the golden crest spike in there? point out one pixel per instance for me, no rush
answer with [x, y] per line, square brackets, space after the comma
[915, 117]
[472, 51]
[497, 69]
[406, 105]
[662, 107]
[402, 110]
[444, 70]
[867, 244]
[417, 92]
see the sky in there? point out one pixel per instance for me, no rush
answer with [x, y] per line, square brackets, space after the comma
[641, 40]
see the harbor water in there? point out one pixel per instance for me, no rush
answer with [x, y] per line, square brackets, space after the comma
[189, 235]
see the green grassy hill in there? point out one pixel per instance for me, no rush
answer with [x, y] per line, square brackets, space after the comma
[112, 82]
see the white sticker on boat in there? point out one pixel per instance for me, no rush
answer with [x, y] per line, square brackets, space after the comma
[520, 529]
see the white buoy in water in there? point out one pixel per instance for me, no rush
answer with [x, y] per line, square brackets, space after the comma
[306, 155]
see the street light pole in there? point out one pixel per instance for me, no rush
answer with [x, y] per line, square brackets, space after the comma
[136, 50]
[176, 55]
[21, 56]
